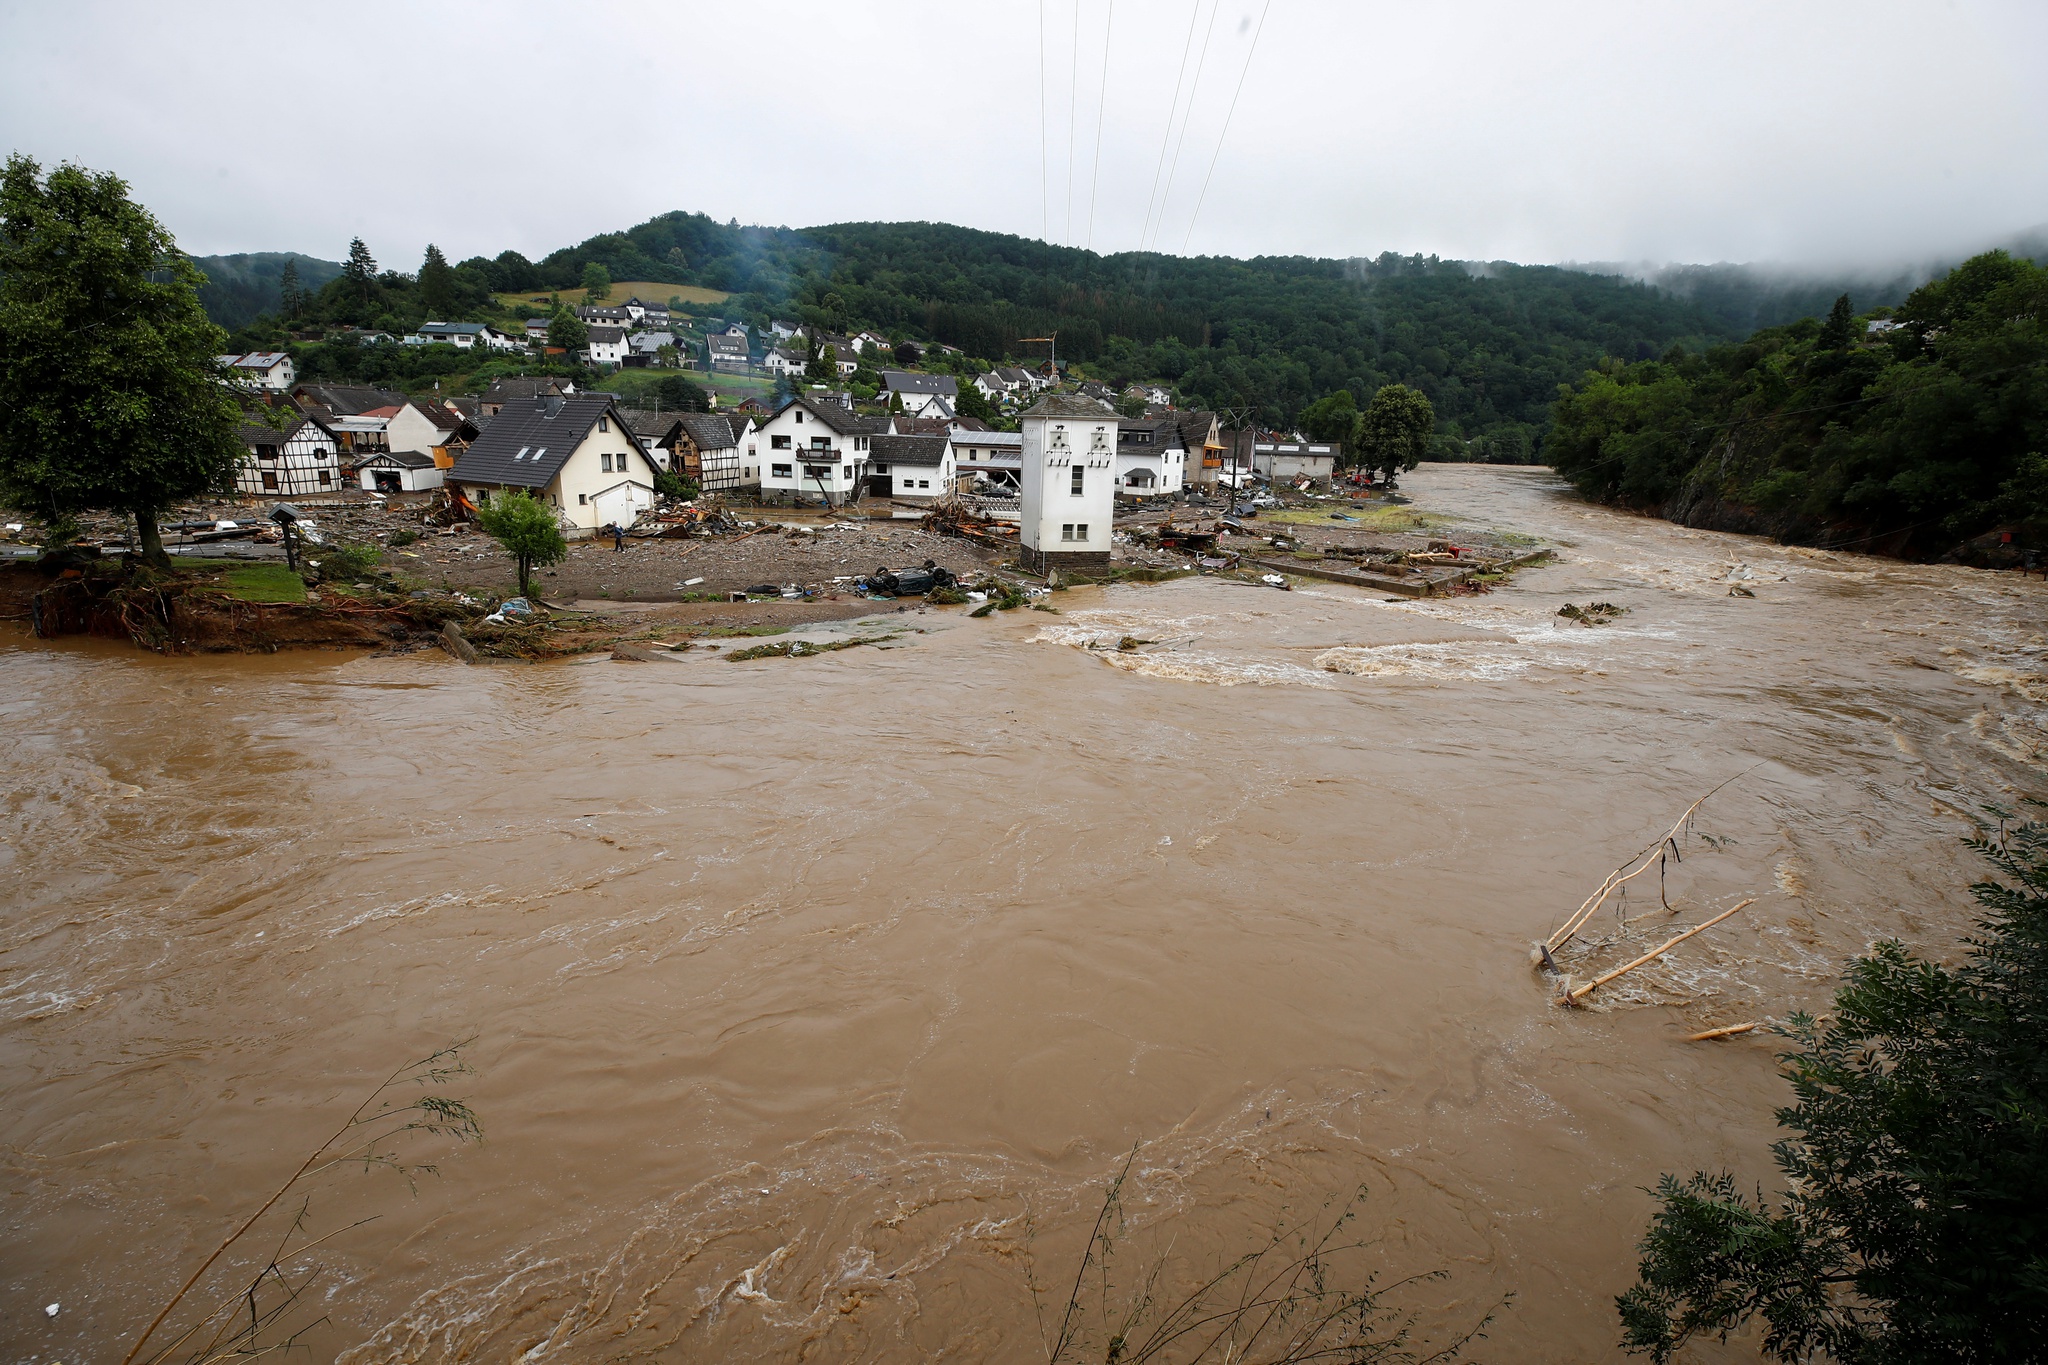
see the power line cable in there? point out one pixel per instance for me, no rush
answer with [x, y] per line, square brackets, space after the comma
[1173, 109]
[1226, 126]
[1073, 97]
[1101, 103]
[1189, 117]
[1044, 178]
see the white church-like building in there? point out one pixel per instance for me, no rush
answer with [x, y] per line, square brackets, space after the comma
[1069, 484]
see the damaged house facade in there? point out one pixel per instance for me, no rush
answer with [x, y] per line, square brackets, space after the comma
[813, 452]
[576, 453]
[301, 458]
[1150, 459]
[1069, 496]
[910, 466]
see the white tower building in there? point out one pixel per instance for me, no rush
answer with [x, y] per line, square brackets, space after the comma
[1069, 494]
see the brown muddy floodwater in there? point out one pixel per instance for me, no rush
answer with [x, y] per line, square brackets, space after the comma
[815, 1000]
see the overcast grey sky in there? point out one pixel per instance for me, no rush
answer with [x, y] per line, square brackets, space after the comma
[1820, 131]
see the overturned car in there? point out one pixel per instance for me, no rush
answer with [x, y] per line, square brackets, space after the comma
[909, 582]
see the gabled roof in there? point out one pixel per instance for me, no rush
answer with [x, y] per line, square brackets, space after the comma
[836, 417]
[653, 428]
[451, 329]
[709, 430]
[898, 381]
[533, 438]
[346, 400]
[719, 341]
[607, 336]
[260, 360]
[918, 450]
[403, 459]
[520, 386]
[438, 415]
[603, 314]
[1010, 374]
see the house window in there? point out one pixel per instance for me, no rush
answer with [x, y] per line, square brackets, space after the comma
[1074, 484]
[799, 416]
[324, 479]
[1067, 530]
[778, 443]
[582, 499]
[270, 481]
[846, 471]
[605, 463]
[1080, 530]
[778, 471]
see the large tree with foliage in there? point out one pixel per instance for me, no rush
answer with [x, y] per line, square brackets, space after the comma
[567, 331]
[1334, 418]
[360, 270]
[1394, 431]
[110, 394]
[437, 284]
[597, 283]
[1916, 1228]
[529, 531]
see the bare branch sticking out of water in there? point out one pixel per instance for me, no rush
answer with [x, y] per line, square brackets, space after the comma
[369, 1135]
[1282, 1302]
[1573, 995]
[1651, 855]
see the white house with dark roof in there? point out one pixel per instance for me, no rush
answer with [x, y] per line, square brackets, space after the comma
[863, 342]
[784, 360]
[813, 451]
[1150, 458]
[577, 454]
[727, 352]
[783, 328]
[607, 345]
[1069, 495]
[300, 458]
[398, 471]
[271, 371]
[464, 335]
[711, 446]
[911, 466]
[916, 391]
[597, 316]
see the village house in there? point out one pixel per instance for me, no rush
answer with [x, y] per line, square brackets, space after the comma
[398, 471]
[726, 351]
[1201, 435]
[504, 391]
[462, 335]
[300, 458]
[729, 329]
[1150, 460]
[996, 456]
[577, 454]
[709, 445]
[604, 317]
[910, 466]
[916, 391]
[1069, 494]
[537, 329]
[659, 433]
[783, 329]
[863, 342]
[644, 348]
[815, 452]
[1285, 461]
[269, 371]
[607, 345]
[991, 387]
[425, 428]
[342, 400]
[784, 360]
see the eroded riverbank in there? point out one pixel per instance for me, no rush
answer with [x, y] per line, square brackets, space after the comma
[813, 1000]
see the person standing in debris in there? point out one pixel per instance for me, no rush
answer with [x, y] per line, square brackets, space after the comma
[618, 533]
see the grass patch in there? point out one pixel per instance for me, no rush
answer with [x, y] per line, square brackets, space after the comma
[650, 291]
[263, 583]
[1369, 519]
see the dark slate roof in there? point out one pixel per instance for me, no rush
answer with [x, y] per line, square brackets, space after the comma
[897, 381]
[710, 430]
[348, 400]
[532, 439]
[437, 414]
[609, 336]
[1010, 374]
[838, 418]
[919, 450]
[719, 341]
[1070, 405]
[405, 459]
[653, 428]
[520, 387]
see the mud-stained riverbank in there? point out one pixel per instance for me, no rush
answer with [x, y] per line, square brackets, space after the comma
[814, 1002]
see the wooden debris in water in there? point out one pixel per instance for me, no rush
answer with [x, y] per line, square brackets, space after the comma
[1707, 1035]
[1578, 993]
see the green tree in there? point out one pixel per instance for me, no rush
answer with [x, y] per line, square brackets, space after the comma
[360, 270]
[528, 530]
[1130, 405]
[567, 331]
[1840, 328]
[1334, 418]
[437, 285]
[597, 283]
[109, 392]
[972, 403]
[1918, 1165]
[291, 296]
[678, 394]
[1394, 431]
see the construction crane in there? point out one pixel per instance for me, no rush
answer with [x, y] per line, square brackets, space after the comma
[1053, 341]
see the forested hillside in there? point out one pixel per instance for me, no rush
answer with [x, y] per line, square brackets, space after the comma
[240, 288]
[1912, 442]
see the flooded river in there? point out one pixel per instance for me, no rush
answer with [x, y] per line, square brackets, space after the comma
[814, 1001]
